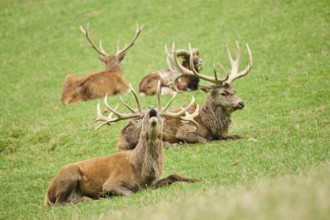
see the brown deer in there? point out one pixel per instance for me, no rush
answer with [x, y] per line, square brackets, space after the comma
[214, 117]
[148, 85]
[125, 172]
[96, 85]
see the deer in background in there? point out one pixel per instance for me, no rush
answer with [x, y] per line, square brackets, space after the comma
[96, 85]
[214, 117]
[148, 85]
[125, 172]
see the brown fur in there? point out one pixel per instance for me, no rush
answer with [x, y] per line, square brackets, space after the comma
[122, 173]
[214, 120]
[148, 85]
[95, 85]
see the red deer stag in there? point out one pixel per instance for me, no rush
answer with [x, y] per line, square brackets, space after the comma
[214, 117]
[125, 172]
[97, 85]
[148, 85]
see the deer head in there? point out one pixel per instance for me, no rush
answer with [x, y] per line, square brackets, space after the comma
[222, 94]
[105, 57]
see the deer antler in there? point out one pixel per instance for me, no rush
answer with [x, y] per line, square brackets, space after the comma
[137, 112]
[124, 50]
[120, 116]
[235, 64]
[187, 117]
[176, 66]
[86, 33]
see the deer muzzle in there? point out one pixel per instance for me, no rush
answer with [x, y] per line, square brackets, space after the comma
[153, 116]
[240, 105]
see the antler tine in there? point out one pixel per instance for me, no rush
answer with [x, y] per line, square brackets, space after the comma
[220, 81]
[136, 98]
[127, 106]
[120, 116]
[176, 66]
[158, 95]
[124, 50]
[235, 64]
[179, 113]
[201, 76]
[160, 101]
[86, 33]
[101, 47]
[169, 102]
[170, 60]
[172, 66]
[190, 117]
[100, 117]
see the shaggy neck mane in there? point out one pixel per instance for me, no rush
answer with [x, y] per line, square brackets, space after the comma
[215, 118]
[149, 156]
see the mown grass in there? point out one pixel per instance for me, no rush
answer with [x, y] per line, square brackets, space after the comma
[285, 123]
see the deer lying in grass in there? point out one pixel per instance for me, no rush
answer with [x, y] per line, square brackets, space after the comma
[214, 117]
[125, 172]
[96, 85]
[148, 85]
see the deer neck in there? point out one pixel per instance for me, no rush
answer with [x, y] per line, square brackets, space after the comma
[113, 66]
[215, 119]
[149, 157]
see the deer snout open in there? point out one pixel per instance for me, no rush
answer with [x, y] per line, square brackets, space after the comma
[152, 112]
[153, 116]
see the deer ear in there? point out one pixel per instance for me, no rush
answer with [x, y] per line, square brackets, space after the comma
[207, 88]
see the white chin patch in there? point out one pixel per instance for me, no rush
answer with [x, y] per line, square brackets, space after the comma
[153, 120]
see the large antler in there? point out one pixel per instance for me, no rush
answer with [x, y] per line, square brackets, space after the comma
[183, 114]
[135, 113]
[235, 64]
[120, 116]
[124, 50]
[86, 33]
[101, 51]
[175, 66]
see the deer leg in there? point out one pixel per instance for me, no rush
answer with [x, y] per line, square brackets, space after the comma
[185, 135]
[172, 179]
[231, 137]
[82, 199]
[116, 189]
[190, 137]
[64, 188]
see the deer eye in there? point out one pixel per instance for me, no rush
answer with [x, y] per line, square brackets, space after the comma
[223, 94]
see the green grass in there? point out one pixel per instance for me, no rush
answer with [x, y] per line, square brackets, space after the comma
[282, 161]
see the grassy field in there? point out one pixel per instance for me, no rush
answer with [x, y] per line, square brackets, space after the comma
[279, 170]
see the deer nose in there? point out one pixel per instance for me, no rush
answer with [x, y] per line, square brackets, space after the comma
[152, 112]
[241, 104]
